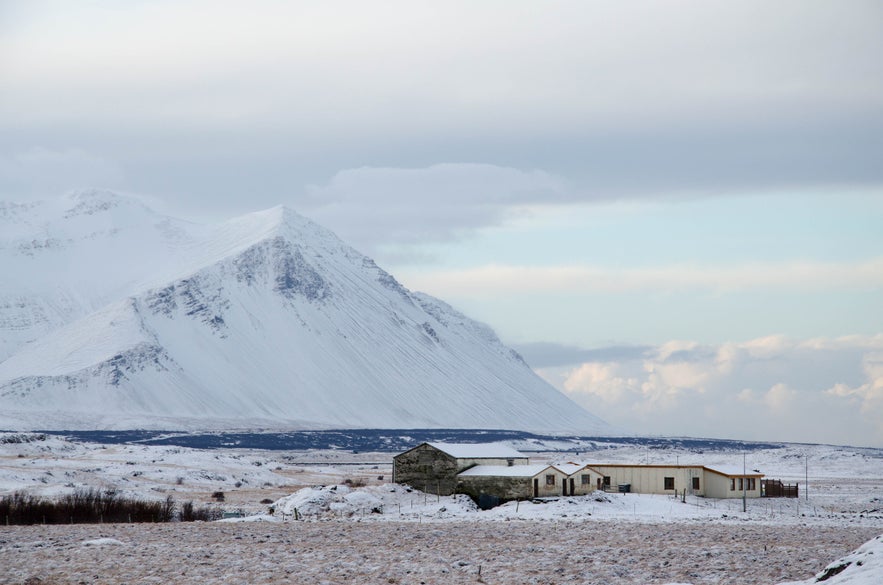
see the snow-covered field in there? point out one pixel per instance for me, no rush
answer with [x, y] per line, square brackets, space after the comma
[384, 533]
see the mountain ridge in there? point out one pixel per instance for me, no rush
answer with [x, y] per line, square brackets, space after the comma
[269, 317]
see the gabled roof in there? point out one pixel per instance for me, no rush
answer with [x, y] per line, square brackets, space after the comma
[505, 470]
[478, 450]
[570, 467]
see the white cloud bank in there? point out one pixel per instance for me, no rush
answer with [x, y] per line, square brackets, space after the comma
[770, 388]
[389, 206]
[40, 172]
[493, 280]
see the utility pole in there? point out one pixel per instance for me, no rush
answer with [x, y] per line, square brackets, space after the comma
[744, 487]
[806, 484]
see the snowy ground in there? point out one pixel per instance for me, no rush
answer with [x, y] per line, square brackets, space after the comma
[386, 533]
[536, 552]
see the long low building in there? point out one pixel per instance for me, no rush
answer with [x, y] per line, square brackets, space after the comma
[571, 479]
[698, 480]
[499, 473]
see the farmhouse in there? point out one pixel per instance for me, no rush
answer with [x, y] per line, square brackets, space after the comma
[494, 473]
[433, 467]
[697, 480]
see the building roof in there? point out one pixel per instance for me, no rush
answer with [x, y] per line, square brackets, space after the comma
[479, 450]
[569, 468]
[732, 471]
[725, 470]
[505, 470]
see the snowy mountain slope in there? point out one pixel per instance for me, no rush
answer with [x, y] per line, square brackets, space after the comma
[64, 259]
[268, 318]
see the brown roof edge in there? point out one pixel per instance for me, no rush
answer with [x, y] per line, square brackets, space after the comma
[593, 465]
[746, 474]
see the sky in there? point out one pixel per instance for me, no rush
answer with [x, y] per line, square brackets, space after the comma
[673, 210]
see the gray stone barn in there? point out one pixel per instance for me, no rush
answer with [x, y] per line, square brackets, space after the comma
[503, 483]
[433, 467]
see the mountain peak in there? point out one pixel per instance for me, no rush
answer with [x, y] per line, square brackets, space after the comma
[268, 316]
[93, 201]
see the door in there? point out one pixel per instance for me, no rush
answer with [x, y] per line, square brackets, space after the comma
[536, 487]
[571, 486]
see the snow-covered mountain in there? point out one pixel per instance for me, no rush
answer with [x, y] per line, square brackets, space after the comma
[114, 316]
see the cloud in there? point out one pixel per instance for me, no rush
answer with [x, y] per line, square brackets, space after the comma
[780, 397]
[41, 172]
[799, 390]
[547, 354]
[492, 280]
[222, 102]
[443, 202]
[602, 380]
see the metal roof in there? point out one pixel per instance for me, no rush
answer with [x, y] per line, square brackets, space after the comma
[570, 467]
[505, 470]
[732, 470]
[479, 450]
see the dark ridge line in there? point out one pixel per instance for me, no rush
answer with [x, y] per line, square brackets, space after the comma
[394, 440]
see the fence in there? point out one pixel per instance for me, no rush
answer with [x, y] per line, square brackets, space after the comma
[774, 488]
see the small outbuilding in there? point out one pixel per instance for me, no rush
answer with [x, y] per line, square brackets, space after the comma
[502, 483]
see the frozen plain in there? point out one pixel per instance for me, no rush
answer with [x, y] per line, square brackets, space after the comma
[382, 533]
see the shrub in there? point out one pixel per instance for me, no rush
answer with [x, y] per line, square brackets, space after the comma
[189, 513]
[84, 506]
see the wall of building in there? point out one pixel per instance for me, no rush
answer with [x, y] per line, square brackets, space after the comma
[580, 488]
[505, 488]
[428, 469]
[650, 479]
[721, 486]
[545, 489]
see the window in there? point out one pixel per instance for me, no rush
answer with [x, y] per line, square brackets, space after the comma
[669, 483]
[550, 479]
[585, 479]
[606, 481]
[752, 485]
[510, 462]
[741, 484]
[732, 484]
[695, 483]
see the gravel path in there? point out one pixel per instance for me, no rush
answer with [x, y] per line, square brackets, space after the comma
[407, 553]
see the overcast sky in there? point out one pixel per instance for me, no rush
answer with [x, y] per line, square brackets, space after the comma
[673, 209]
